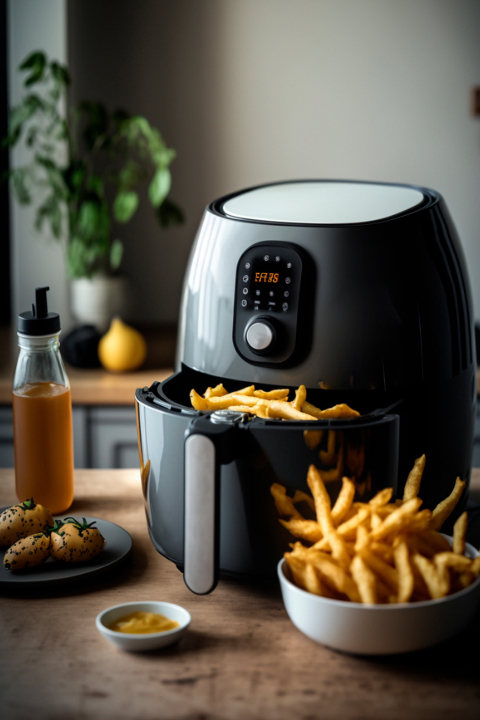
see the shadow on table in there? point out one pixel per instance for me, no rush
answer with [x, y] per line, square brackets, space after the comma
[125, 573]
[455, 659]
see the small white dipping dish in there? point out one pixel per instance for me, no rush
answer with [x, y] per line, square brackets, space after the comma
[146, 641]
[378, 629]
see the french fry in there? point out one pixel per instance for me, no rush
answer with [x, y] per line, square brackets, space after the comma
[336, 577]
[337, 412]
[271, 394]
[321, 499]
[362, 538]
[347, 529]
[381, 498]
[224, 401]
[328, 456]
[387, 574]
[300, 397]
[444, 508]
[313, 438]
[301, 496]
[365, 580]
[217, 391]
[343, 501]
[412, 486]
[459, 533]
[308, 530]
[283, 502]
[405, 578]
[396, 520]
[453, 560]
[436, 578]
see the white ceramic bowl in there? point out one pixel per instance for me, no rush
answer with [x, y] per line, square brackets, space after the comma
[147, 641]
[378, 629]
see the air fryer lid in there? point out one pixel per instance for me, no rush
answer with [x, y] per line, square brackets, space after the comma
[323, 203]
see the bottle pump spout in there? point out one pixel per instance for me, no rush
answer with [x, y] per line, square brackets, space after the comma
[41, 309]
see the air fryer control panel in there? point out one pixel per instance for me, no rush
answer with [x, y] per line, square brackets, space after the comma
[268, 296]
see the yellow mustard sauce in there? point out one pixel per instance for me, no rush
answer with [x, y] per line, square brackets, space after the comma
[140, 623]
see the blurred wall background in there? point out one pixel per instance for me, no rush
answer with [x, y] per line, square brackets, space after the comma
[263, 90]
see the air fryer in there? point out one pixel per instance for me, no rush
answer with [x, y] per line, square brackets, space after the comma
[358, 291]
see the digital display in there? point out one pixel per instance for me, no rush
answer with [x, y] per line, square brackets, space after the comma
[266, 277]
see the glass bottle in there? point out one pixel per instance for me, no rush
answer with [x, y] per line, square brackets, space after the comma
[42, 411]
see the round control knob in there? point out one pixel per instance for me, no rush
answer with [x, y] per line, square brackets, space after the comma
[260, 335]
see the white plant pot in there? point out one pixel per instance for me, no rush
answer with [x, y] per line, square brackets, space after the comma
[96, 301]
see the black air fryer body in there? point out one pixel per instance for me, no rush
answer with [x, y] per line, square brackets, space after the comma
[359, 291]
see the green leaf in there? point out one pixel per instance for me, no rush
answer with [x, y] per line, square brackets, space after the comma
[20, 114]
[45, 211]
[36, 58]
[95, 184]
[160, 186]
[54, 176]
[60, 73]
[18, 179]
[116, 254]
[76, 264]
[169, 214]
[36, 63]
[125, 205]
[56, 222]
[130, 175]
[88, 218]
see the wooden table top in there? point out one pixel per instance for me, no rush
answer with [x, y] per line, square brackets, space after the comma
[241, 658]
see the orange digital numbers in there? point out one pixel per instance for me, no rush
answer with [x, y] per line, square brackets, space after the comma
[266, 277]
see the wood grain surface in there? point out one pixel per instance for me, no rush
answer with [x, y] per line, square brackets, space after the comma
[241, 658]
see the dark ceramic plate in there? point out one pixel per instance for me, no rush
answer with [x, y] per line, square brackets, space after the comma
[119, 544]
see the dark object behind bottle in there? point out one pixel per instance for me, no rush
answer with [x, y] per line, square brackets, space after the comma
[80, 347]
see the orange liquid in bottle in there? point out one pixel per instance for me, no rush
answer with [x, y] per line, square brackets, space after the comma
[43, 440]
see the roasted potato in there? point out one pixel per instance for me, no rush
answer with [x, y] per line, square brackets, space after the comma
[28, 552]
[22, 520]
[76, 542]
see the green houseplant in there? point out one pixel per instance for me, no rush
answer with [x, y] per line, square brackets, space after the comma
[86, 169]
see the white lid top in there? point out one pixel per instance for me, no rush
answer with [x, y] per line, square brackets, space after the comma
[323, 203]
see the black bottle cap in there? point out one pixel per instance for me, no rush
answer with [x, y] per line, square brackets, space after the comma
[39, 321]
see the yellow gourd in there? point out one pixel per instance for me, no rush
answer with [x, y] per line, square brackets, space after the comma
[122, 348]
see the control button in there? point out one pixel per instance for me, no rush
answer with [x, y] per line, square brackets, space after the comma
[257, 292]
[288, 281]
[286, 294]
[245, 291]
[259, 336]
[285, 307]
[277, 258]
[266, 258]
[289, 265]
[247, 265]
[246, 278]
[271, 293]
[244, 303]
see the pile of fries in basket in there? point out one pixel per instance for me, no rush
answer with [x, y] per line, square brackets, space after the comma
[269, 404]
[378, 551]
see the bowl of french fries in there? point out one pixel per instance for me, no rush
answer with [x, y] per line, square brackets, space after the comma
[377, 577]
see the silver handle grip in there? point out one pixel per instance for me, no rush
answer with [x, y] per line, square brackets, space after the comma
[200, 553]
